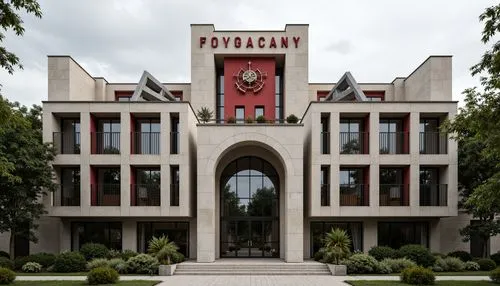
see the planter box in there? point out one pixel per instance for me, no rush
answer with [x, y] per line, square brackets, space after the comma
[166, 270]
[337, 270]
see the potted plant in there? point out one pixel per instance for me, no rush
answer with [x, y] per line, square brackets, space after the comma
[337, 245]
[292, 119]
[249, 119]
[205, 114]
[231, 120]
[165, 251]
[261, 119]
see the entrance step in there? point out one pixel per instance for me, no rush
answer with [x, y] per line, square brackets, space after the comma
[276, 268]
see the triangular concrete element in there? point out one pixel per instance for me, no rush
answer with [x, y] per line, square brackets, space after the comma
[346, 89]
[151, 89]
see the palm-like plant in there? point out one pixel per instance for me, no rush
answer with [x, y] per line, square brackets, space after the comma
[205, 114]
[337, 245]
[162, 248]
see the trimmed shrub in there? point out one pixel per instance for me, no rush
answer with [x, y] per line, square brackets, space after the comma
[102, 275]
[113, 253]
[382, 252]
[94, 250]
[383, 268]
[70, 262]
[32, 267]
[7, 276]
[439, 265]
[178, 257]
[399, 264]
[417, 253]
[98, 262]
[486, 264]
[292, 118]
[495, 276]
[418, 275]
[454, 264]
[319, 255]
[42, 258]
[6, 263]
[462, 255]
[143, 264]
[496, 257]
[437, 254]
[261, 119]
[472, 266]
[127, 254]
[119, 265]
[361, 264]
[4, 254]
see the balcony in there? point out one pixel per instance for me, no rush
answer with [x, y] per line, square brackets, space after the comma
[325, 142]
[66, 142]
[105, 142]
[325, 194]
[394, 195]
[174, 142]
[145, 143]
[174, 195]
[353, 195]
[105, 195]
[353, 142]
[433, 143]
[434, 195]
[146, 195]
[394, 142]
[67, 195]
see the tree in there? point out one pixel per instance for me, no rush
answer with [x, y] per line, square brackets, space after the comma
[205, 114]
[337, 245]
[10, 20]
[477, 131]
[29, 175]
[163, 249]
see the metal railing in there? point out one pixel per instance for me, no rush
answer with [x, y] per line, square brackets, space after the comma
[174, 142]
[325, 195]
[67, 195]
[394, 143]
[353, 195]
[146, 195]
[433, 143]
[325, 142]
[435, 195]
[394, 195]
[353, 142]
[66, 142]
[174, 195]
[105, 142]
[105, 195]
[145, 142]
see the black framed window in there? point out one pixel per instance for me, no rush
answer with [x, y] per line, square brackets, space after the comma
[107, 233]
[259, 111]
[70, 187]
[178, 232]
[279, 95]
[325, 185]
[174, 133]
[220, 96]
[147, 136]
[325, 133]
[70, 139]
[239, 111]
[320, 228]
[397, 234]
[174, 185]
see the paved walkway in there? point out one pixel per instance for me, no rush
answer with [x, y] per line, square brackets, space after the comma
[249, 280]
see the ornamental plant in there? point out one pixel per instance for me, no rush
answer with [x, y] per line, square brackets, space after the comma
[418, 276]
[143, 264]
[249, 119]
[205, 114]
[337, 245]
[495, 276]
[417, 253]
[163, 249]
[69, 262]
[261, 119]
[382, 252]
[102, 275]
[94, 250]
[231, 120]
[292, 119]
[32, 267]
[7, 276]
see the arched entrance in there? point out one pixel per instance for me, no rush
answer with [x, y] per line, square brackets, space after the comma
[249, 209]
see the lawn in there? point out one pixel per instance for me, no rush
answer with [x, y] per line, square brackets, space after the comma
[438, 283]
[81, 283]
[464, 273]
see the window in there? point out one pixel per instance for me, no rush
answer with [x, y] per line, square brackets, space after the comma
[69, 189]
[393, 188]
[147, 187]
[220, 96]
[352, 187]
[432, 141]
[240, 114]
[325, 133]
[174, 133]
[325, 185]
[352, 138]
[432, 193]
[107, 233]
[321, 95]
[106, 191]
[374, 95]
[177, 95]
[108, 136]
[123, 95]
[177, 232]
[69, 141]
[174, 185]
[397, 234]
[259, 111]
[147, 137]
[279, 95]
[319, 229]
[392, 138]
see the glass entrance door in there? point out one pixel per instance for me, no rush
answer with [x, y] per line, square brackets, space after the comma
[250, 238]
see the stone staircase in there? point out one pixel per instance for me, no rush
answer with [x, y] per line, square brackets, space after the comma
[252, 268]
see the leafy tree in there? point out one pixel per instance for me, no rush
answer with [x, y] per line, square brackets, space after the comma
[10, 20]
[205, 114]
[477, 131]
[28, 175]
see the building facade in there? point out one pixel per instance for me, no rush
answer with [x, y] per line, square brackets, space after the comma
[135, 160]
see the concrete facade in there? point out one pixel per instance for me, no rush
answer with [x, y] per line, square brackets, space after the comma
[293, 150]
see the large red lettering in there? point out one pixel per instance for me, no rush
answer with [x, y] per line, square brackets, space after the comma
[262, 42]
[226, 41]
[214, 42]
[284, 42]
[249, 43]
[273, 43]
[203, 40]
[296, 41]
[237, 42]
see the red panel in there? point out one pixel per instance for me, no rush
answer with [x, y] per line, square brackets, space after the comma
[321, 94]
[375, 93]
[406, 129]
[123, 93]
[133, 136]
[177, 94]
[93, 184]
[366, 183]
[406, 187]
[133, 186]
[233, 97]
[366, 135]
[93, 129]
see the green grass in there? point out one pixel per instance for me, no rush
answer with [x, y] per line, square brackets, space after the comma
[81, 283]
[52, 274]
[438, 283]
[464, 273]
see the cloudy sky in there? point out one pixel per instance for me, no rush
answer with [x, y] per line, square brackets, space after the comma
[118, 39]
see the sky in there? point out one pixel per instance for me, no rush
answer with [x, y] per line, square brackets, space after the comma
[118, 39]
